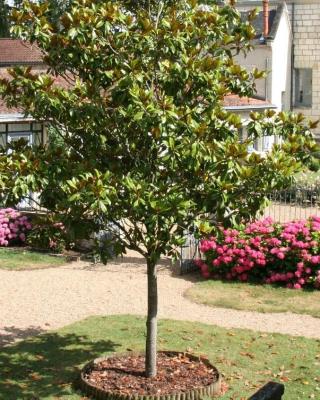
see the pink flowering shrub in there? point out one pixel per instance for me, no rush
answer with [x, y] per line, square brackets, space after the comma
[48, 234]
[267, 252]
[13, 227]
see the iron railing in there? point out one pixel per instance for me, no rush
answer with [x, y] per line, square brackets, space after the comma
[293, 204]
[285, 205]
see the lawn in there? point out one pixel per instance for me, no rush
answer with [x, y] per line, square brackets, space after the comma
[23, 259]
[250, 297]
[45, 367]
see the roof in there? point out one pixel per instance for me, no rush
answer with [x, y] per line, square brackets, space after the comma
[235, 102]
[258, 22]
[18, 52]
[17, 113]
[231, 101]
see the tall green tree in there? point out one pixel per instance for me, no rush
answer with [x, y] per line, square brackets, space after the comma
[56, 8]
[146, 148]
[4, 19]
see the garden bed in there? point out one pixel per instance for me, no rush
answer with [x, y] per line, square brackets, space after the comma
[266, 252]
[123, 376]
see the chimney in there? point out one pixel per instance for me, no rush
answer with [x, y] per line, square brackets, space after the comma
[265, 18]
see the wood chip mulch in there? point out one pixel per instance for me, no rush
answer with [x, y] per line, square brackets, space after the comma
[124, 375]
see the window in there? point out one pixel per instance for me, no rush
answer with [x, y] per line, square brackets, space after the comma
[267, 143]
[12, 132]
[260, 144]
[241, 135]
[15, 137]
[303, 87]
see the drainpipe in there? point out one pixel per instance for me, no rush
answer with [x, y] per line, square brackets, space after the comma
[292, 56]
[265, 18]
[266, 89]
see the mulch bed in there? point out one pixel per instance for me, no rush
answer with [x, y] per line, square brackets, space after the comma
[124, 375]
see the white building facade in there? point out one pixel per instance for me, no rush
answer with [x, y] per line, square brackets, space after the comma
[290, 51]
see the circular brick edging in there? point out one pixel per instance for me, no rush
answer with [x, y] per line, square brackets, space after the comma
[195, 394]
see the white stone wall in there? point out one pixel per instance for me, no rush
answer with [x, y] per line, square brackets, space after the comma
[306, 32]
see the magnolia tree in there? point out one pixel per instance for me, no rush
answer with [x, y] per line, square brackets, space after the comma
[135, 90]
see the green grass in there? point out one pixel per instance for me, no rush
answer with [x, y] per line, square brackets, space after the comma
[308, 178]
[23, 259]
[46, 366]
[250, 297]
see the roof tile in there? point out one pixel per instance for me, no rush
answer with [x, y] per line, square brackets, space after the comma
[18, 52]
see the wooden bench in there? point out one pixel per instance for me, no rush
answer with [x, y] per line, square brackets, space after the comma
[270, 391]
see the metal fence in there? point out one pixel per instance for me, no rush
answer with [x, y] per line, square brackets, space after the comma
[293, 203]
[285, 205]
[188, 253]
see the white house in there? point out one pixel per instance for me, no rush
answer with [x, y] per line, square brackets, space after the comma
[288, 45]
[13, 123]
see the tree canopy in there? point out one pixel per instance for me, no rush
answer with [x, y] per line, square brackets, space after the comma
[146, 148]
[4, 19]
[56, 8]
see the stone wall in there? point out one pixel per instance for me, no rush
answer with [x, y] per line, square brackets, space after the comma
[305, 17]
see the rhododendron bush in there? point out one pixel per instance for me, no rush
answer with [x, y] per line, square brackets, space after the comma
[13, 227]
[265, 251]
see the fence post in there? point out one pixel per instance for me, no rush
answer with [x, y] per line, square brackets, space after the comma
[270, 391]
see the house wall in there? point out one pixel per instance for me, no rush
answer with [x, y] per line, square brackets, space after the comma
[261, 58]
[305, 17]
[275, 58]
[281, 64]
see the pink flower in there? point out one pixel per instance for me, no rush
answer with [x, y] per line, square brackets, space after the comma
[216, 262]
[204, 268]
[315, 259]
[244, 277]
[297, 286]
[280, 255]
[300, 265]
[274, 242]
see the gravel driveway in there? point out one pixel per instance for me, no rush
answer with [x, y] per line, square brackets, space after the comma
[36, 300]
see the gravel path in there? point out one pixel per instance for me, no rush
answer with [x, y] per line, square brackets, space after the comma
[36, 300]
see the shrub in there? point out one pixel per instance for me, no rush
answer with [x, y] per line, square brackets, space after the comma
[13, 227]
[265, 251]
[47, 234]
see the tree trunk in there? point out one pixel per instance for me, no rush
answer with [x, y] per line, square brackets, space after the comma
[151, 341]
